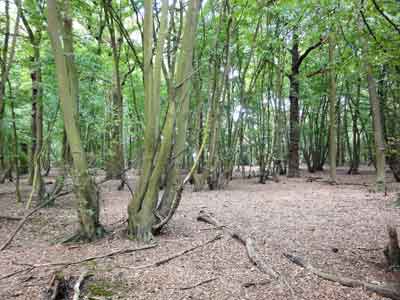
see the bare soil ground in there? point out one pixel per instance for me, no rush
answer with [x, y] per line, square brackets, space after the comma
[338, 228]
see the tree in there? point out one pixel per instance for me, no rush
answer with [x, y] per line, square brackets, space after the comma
[332, 108]
[85, 189]
[115, 154]
[297, 60]
[143, 207]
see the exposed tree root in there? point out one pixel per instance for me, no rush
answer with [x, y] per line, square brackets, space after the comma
[346, 281]
[176, 255]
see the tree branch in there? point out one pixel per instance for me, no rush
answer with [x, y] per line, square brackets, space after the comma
[309, 49]
[385, 16]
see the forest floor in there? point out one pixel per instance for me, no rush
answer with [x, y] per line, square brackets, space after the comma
[338, 228]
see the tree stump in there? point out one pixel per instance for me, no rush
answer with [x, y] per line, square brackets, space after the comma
[392, 250]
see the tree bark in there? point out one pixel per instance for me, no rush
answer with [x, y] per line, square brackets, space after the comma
[115, 158]
[332, 109]
[84, 186]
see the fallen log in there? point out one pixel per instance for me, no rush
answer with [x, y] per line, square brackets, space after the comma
[384, 291]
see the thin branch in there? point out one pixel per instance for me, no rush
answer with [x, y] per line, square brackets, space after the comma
[385, 16]
[198, 284]
[309, 49]
[176, 255]
[90, 258]
[22, 222]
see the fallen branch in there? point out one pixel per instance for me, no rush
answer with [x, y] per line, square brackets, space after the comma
[197, 284]
[169, 258]
[10, 218]
[22, 222]
[77, 286]
[255, 283]
[248, 242]
[16, 273]
[114, 253]
[345, 281]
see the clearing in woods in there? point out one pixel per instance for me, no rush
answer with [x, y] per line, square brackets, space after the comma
[337, 228]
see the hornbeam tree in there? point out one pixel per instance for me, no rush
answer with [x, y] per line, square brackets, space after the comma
[60, 32]
[162, 146]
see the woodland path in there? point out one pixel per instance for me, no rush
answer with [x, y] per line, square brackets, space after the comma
[338, 228]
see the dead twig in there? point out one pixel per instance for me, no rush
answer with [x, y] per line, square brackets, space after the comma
[345, 281]
[255, 283]
[114, 253]
[198, 284]
[16, 273]
[248, 242]
[176, 255]
[22, 222]
[252, 253]
[11, 218]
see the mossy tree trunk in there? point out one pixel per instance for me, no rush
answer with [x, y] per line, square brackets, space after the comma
[115, 153]
[160, 151]
[144, 200]
[181, 91]
[84, 187]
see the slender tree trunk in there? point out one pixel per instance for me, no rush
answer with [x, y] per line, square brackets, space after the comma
[115, 161]
[294, 141]
[378, 129]
[140, 209]
[84, 187]
[7, 57]
[332, 108]
[15, 154]
[184, 70]
[294, 170]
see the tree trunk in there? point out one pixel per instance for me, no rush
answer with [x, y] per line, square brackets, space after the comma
[332, 109]
[378, 129]
[115, 160]
[8, 53]
[140, 209]
[84, 187]
[294, 163]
